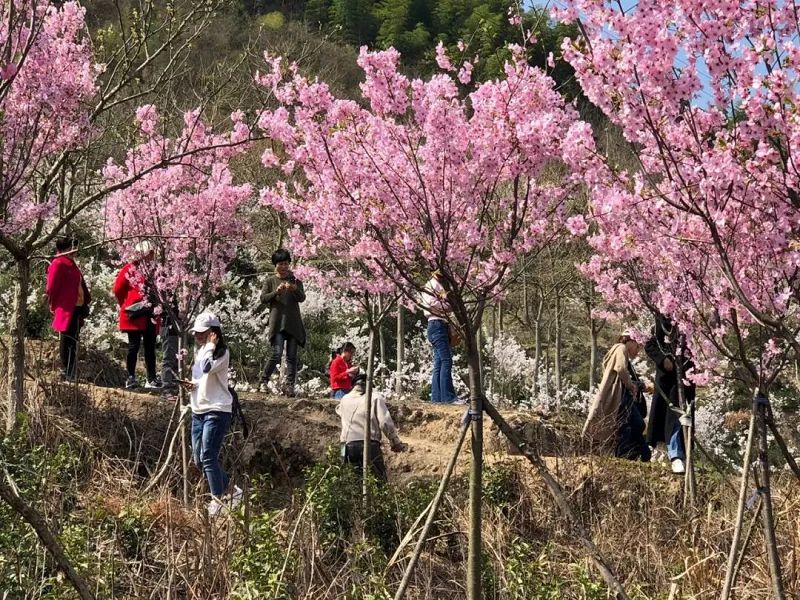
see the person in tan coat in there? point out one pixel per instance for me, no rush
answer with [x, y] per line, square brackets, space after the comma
[615, 415]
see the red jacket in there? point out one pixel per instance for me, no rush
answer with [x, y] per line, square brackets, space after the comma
[128, 290]
[64, 278]
[340, 380]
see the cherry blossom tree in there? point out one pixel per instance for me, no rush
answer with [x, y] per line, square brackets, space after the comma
[427, 178]
[60, 113]
[705, 230]
[190, 211]
[47, 78]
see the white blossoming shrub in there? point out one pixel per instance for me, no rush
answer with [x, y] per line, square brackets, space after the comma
[101, 329]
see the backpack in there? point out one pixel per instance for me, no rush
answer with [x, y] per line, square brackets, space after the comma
[236, 412]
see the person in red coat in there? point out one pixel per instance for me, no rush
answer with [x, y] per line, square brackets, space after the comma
[68, 297]
[342, 371]
[130, 288]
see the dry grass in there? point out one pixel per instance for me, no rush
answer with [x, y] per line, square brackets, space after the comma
[140, 545]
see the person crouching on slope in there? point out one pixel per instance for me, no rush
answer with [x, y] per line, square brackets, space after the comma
[212, 405]
[354, 421]
[342, 371]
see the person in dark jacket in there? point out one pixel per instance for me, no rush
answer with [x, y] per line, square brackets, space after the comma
[283, 293]
[68, 298]
[663, 424]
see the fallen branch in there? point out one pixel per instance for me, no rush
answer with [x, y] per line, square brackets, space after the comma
[186, 410]
[561, 500]
[9, 493]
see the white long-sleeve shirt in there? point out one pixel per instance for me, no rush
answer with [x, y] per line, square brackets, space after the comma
[434, 301]
[351, 410]
[210, 379]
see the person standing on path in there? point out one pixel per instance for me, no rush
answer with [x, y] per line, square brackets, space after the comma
[136, 315]
[68, 298]
[663, 423]
[282, 294]
[436, 309]
[212, 407]
[615, 414]
[354, 420]
[169, 349]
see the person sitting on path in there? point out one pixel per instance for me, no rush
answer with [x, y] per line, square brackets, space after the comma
[342, 370]
[283, 293]
[68, 298]
[354, 421]
[137, 301]
[616, 414]
[212, 406]
[663, 424]
[436, 309]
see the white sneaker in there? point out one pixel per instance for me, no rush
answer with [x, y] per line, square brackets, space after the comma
[677, 466]
[215, 507]
[236, 497]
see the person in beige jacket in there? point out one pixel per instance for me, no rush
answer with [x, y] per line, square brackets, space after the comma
[615, 419]
[354, 421]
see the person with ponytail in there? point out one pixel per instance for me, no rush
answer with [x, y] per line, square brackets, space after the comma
[212, 407]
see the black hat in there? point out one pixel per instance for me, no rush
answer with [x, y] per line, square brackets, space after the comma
[360, 379]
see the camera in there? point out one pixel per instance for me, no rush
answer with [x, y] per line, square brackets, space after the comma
[291, 279]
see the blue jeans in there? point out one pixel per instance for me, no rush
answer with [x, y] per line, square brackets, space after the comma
[278, 341]
[630, 431]
[208, 433]
[675, 448]
[442, 390]
[340, 393]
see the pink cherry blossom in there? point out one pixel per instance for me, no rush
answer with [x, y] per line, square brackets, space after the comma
[187, 207]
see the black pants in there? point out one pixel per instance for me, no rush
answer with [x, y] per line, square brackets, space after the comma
[353, 454]
[278, 341]
[69, 345]
[134, 343]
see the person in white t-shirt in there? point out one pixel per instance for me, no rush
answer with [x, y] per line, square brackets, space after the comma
[436, 309]
[212, 404]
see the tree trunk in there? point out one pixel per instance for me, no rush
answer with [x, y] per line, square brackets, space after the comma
[593, 351]
[36, 520]
[401, 350]
[476, 470]
[491, 353]
[15, 403]
[537, 355]
[500, 318]
[382, 339]
[557, 355]
[183, 426]
[368, 411]
[688, 430]
[737, 530]
[761, 406]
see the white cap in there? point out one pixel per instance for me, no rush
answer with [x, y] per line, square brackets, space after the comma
[205, 321]
[143, 247]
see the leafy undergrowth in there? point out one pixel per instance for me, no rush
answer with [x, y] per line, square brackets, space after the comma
[303, 531]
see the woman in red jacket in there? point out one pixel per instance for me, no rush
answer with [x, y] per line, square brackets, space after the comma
[130, 288]
[342, 371]
[68, 298]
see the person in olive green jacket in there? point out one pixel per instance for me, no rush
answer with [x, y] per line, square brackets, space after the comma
[282, 294]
